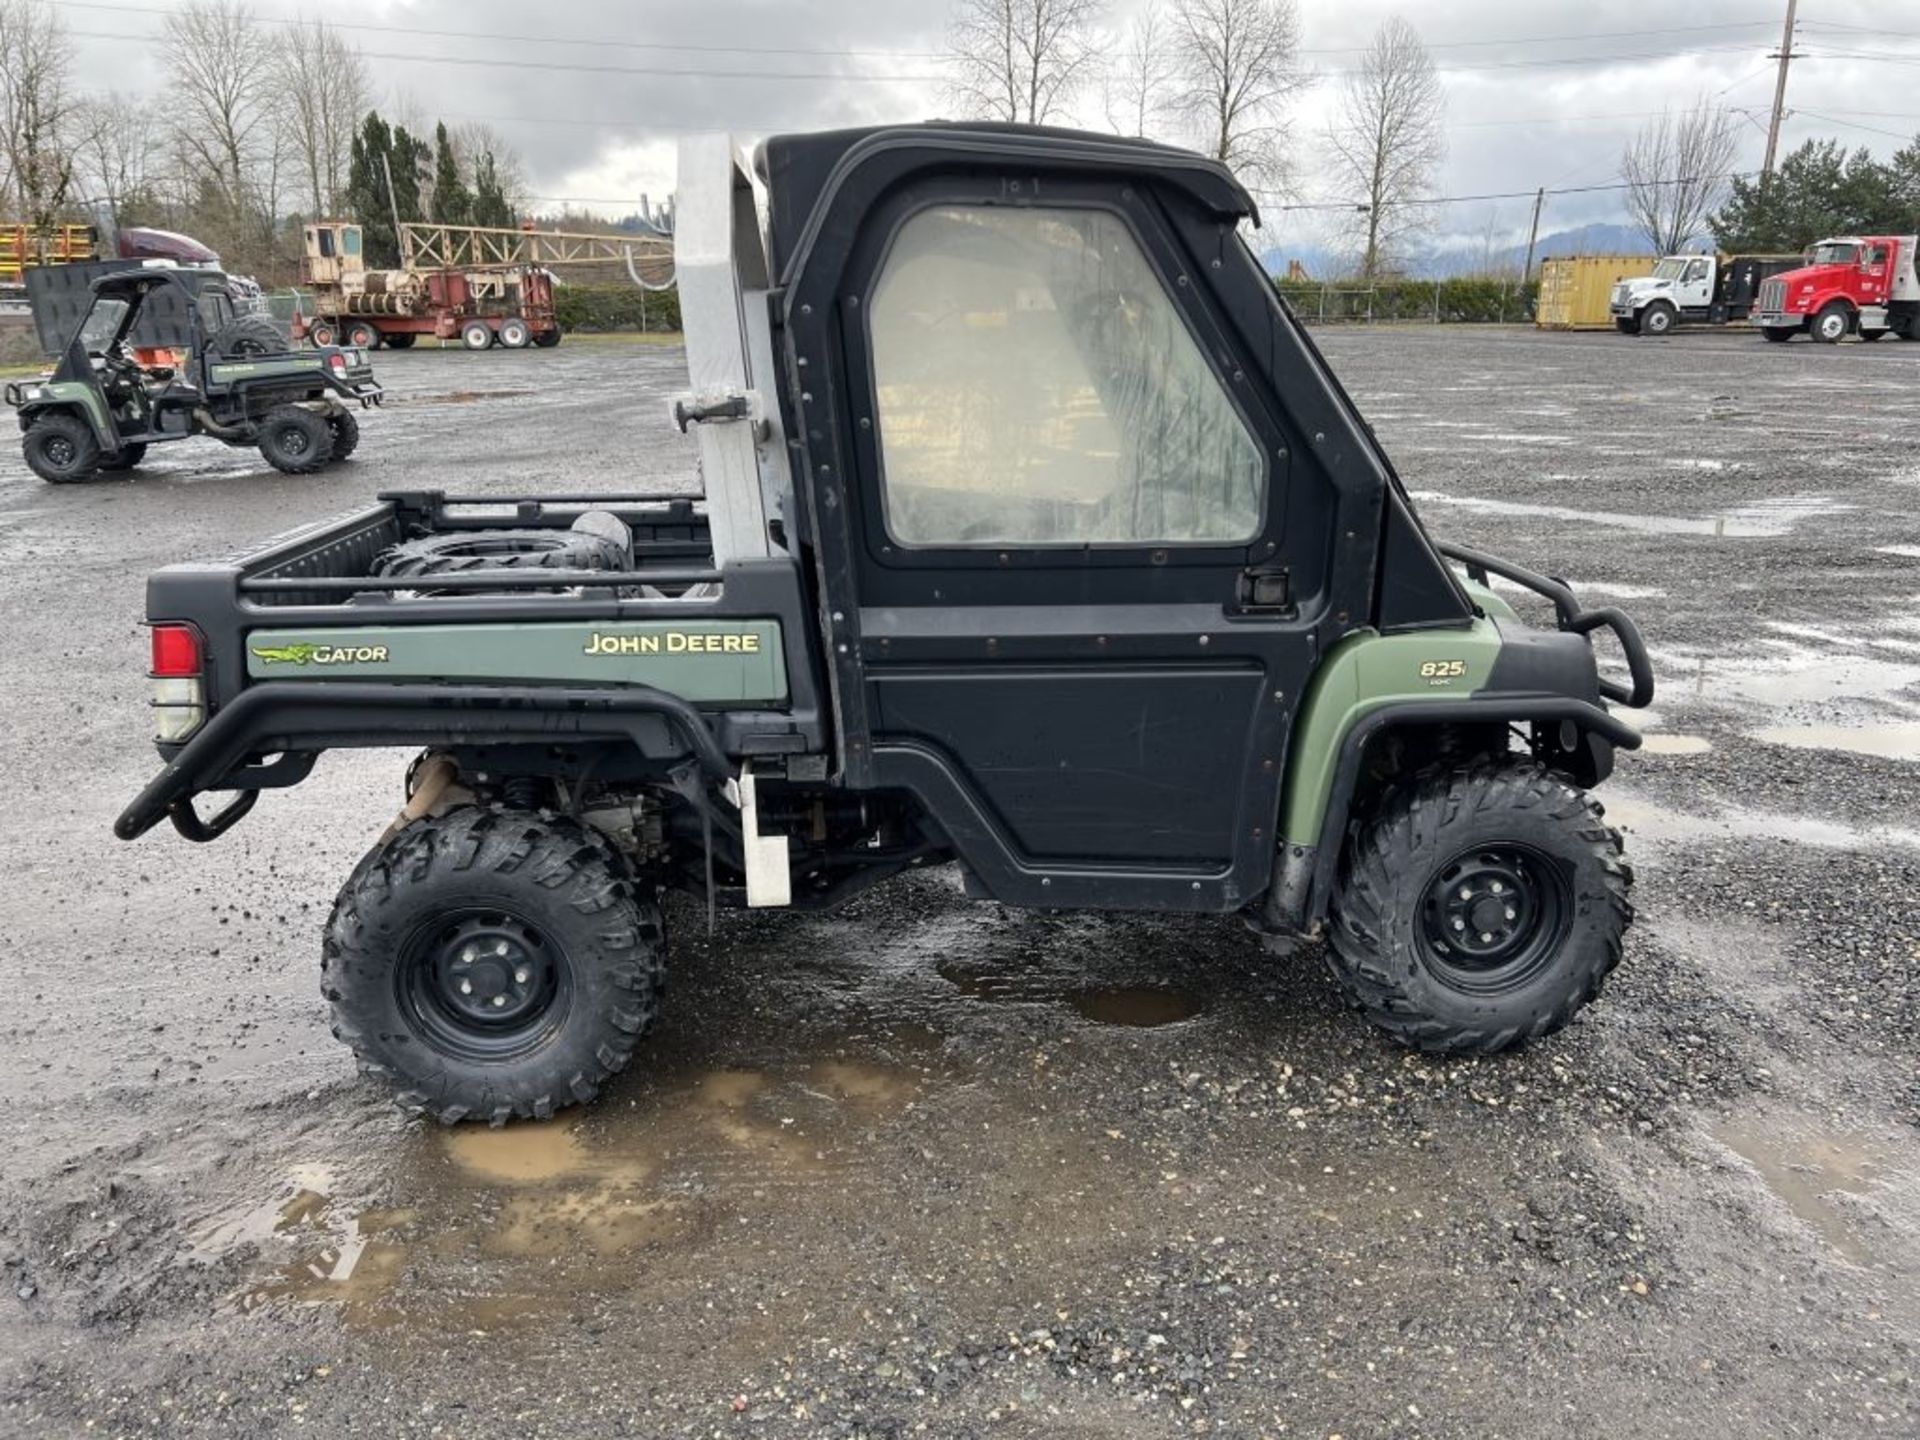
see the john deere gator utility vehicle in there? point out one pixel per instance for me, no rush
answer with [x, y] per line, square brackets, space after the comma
[1036, 538]
[158, 353]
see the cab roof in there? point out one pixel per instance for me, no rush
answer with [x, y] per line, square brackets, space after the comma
[803, 173]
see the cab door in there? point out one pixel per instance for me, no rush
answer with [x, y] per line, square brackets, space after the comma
[1080, 636]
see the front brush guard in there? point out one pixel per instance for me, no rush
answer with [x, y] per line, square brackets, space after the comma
[1567, 609]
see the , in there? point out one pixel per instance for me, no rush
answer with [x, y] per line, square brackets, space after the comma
[1063, 557]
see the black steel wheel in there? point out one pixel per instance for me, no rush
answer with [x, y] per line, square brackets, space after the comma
[295, 440]
[1482, 906]
[547, 339]
[483, 984]
[491, 964]
[1493, 915]
[61, 448]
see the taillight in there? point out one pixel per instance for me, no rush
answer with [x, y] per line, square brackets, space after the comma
[176, 651]
[179, 690]
[337, 362]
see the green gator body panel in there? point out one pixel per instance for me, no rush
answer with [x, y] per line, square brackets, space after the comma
[1360, 675]
[703, 661]
[269, 367]
[73, 395]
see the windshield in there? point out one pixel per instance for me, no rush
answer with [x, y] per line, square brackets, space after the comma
[103, 324]
[1834, 252]
[1669, 269]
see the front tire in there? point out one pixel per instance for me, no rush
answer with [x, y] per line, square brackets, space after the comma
[492, 964]
[1830, 326]
[1481, 908]
[1779, 334]
[295, 441]
[1658, 319]
[61, 449]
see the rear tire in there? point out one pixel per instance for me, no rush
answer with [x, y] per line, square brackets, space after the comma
[515, 333]
[1779, 334]
[345, 426]
[492, 964]
[547, 339]
[322, 334]
[1658, 318]
[1830, 326]
[1505, 846]
[61, 449]
[295, 441]
[400, 340]
[125, 458]
[1872, 335]
[476, 335]
[362, 336]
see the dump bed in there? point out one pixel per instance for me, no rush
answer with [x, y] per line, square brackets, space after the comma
[302, 645]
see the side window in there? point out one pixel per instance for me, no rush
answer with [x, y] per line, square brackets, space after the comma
[1037, 386]
[1696, 272]
[350, 240]
[326, 243]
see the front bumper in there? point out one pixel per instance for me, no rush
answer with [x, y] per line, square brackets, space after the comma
[1570, 616]
[1777, 320]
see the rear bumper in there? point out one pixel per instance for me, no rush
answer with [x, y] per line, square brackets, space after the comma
[291, 718]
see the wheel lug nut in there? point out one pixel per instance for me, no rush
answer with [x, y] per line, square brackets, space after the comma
[520, 975]
[1459, 924]
[1466, 892]
[466, 987]
[468, 954]
[500, 948]
[1486, 939]
[499, 1002]
[1496, 887]
[1512, 914]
